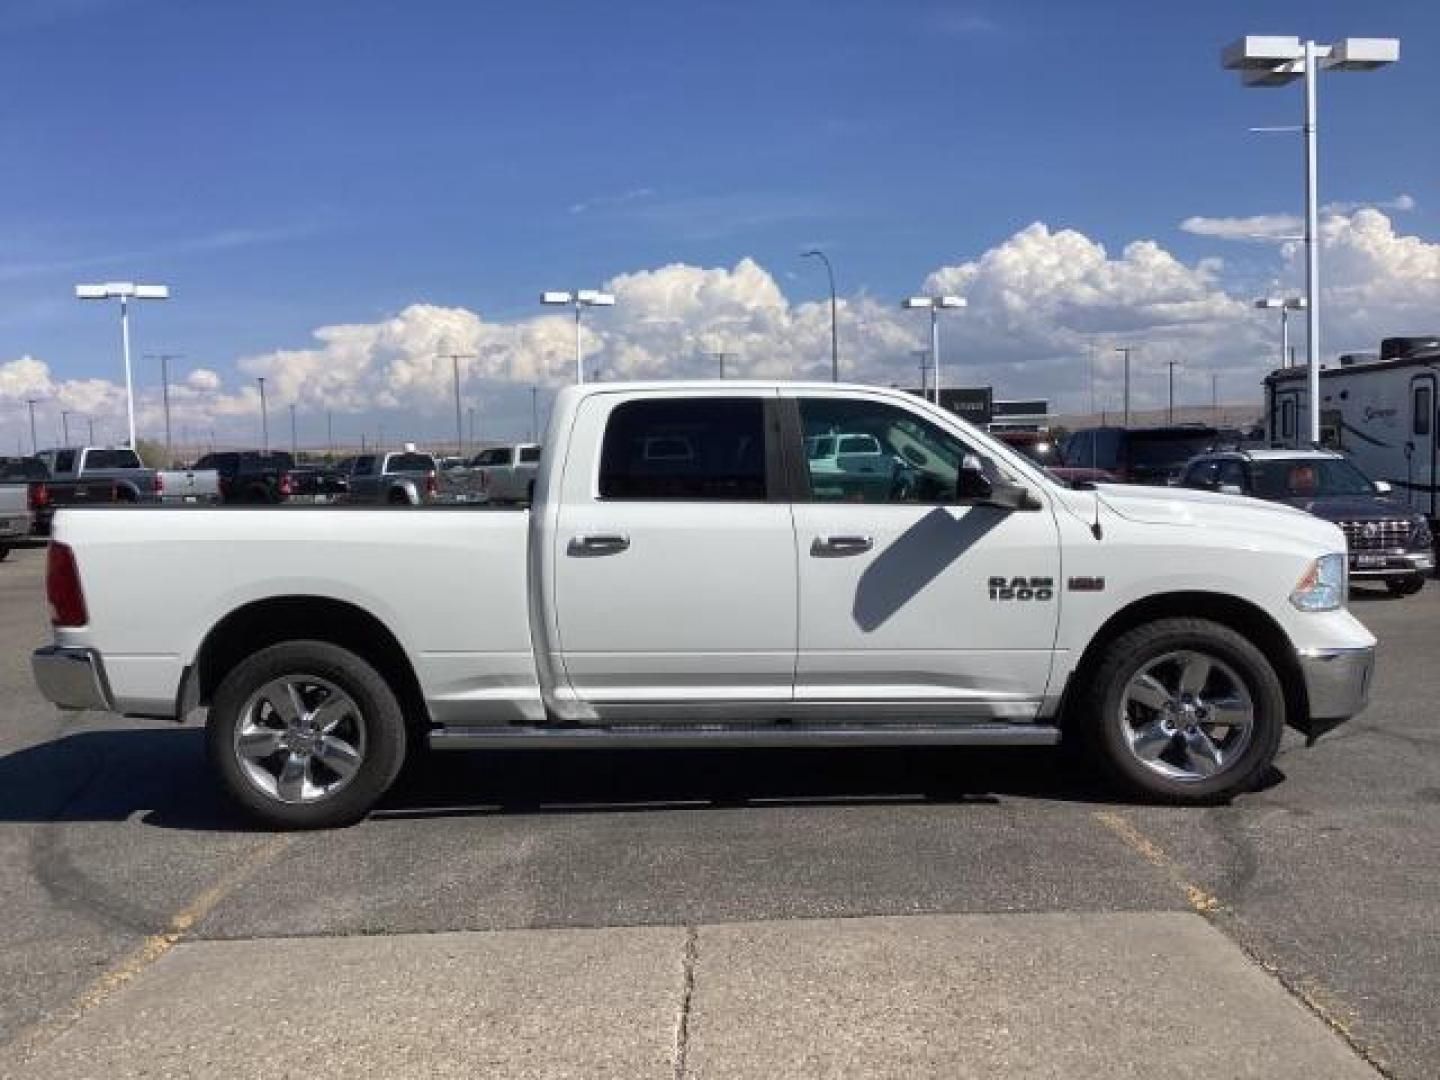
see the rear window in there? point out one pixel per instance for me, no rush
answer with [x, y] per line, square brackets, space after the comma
[411, 463]
[15, 469]
[711, 449]
[496, 455]
[112, 459]
[1166, 448]
[529, 455]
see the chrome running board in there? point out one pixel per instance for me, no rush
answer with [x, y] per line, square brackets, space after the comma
[698, 736]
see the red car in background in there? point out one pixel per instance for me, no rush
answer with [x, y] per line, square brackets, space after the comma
[1040, 448]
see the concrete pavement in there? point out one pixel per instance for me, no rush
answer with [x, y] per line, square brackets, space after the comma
[1070, 995]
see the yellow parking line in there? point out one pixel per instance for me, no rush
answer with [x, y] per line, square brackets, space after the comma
[153, 947]
[1202, 900]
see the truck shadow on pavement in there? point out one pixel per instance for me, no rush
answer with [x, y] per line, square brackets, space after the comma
[161, 778]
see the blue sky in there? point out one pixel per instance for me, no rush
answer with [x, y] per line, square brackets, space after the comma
[288, 165]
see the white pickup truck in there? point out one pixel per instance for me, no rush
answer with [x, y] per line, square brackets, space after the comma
[722, 598]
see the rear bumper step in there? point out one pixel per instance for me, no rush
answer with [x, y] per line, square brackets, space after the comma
[697, 736]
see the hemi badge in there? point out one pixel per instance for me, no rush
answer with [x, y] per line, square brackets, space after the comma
[1086, 584]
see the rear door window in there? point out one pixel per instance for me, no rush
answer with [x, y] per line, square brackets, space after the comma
[410, 463]
[707, 449]
[529, 455]
[112, 459]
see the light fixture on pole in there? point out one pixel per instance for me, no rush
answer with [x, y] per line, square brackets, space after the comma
[1278, 61]
[816, 253]
[935, 305]
[124, 291]
[1127, 350]
[1286, 304]
[579, 299]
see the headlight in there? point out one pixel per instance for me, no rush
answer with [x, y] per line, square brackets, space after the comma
[1322, 587]
[1421, 537]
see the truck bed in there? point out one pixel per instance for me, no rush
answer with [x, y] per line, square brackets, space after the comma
[448, 582]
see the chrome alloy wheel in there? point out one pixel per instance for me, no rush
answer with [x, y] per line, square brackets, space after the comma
[1186, 715]
[300, 739]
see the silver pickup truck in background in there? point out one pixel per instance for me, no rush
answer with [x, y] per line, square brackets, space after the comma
[408, 478]
[506, 474]
[16, 516]
[133, 481]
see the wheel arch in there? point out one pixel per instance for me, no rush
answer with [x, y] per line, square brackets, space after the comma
[1242, 616]
[263, 623]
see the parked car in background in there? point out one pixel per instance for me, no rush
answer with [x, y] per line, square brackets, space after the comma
[72, 468]
[409, 478]
[506, 474]
[30, 474]
[721, 600]
[855, 466]
[17, 518]
[1387, 540]
[1141, 455]
[247, 476]
[1041, 448]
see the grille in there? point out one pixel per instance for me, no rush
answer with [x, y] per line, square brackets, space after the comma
[1376, 535]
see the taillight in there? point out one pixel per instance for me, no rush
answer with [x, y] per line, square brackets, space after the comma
[431, 486]
[484, 480]
[62, 587]
[39, 496]
[159, 484]
[286, 486]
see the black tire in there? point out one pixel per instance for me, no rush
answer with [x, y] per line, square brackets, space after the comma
[376, 708]
[4, 553]
[398, 497]
[1405, 586]
[258, 495]
[1100, 720]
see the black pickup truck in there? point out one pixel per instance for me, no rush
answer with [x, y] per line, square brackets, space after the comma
[247, 476]
[44, 495]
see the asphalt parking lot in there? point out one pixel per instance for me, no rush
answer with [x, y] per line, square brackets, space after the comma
[114, 847]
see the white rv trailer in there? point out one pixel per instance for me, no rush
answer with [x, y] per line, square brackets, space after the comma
[1382, 413]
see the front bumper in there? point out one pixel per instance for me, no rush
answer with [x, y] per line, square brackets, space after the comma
[1337, 681]
[72, 678]
[1391, 564]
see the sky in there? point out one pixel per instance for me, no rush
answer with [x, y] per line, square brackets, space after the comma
[339, 192]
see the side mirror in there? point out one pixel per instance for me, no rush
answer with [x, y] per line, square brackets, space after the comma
[972, 485]
[1383, 487]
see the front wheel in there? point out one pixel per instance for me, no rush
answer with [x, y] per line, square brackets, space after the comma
[306, 735]
[1405, 586]
[1184, 711]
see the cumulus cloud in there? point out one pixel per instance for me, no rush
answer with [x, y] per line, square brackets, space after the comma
[1041, 303]
[1265, 228]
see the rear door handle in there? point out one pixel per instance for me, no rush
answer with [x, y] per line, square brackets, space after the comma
[841, 545]
[598, 544]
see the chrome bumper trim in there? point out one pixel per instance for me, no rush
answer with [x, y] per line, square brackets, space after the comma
[1414, 562]
[72, 678]
[1337, 681]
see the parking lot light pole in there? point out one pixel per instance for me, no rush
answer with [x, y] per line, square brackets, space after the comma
[1286, 304]
[165, 359]
[1127, 350]
[264, 418]
[935, 305]
[124, 291]
[1170, 412]
[816, 253]
[579, 299]
[1278, 61]
[34, 439]
[65, 426]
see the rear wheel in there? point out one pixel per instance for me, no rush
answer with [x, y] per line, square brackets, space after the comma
[1405, 586]
[306, 735]
[4, 553]
[1184, 711]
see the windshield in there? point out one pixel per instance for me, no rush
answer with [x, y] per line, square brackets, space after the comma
[1166, 449]
[1309, 478]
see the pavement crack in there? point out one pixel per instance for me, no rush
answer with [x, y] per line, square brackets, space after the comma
[687, 992]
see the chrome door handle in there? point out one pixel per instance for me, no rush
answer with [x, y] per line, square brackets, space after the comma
[599, 544]
[841, 545]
